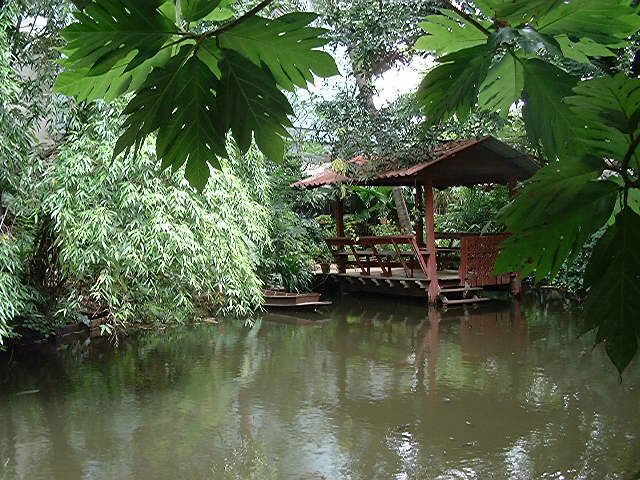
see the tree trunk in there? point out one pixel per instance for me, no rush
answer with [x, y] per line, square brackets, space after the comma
[403, 213]
[398, 198]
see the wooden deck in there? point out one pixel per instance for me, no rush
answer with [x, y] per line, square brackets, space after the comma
[353, 281]
[398, 265]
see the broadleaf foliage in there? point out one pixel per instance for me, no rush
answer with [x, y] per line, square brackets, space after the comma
[503, 85]
[555, 214]
[447, 35]
[249, 102]
[184, 83]
[547, 118]
[107, 32]
[285, 45]
[588, 130]
[452, 87]
[193, 10]
[613, 276]
[539, 35]
[609, 112]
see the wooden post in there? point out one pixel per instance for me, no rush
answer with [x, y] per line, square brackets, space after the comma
[432, 266]
[341, 262]
[339, 214]
[419, 221]
[512, 187]
[516, 283]
[434, 324]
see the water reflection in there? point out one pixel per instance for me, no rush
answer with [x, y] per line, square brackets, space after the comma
[368, 389]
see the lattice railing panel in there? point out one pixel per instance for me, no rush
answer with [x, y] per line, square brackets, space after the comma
[478, 257]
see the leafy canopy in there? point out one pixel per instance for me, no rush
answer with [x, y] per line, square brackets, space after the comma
[523, 48]
[193, 89]
[569, 200]
[588, 130]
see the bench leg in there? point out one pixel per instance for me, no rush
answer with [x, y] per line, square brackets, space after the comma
[341, 263]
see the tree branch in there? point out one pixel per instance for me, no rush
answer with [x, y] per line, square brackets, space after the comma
[467, 17]
[262, 5]
[628, 183]
[479, 26]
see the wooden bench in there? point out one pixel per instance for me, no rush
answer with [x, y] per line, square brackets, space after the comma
[366, 254]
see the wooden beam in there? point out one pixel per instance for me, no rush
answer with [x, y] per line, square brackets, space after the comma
[419, 222]
[429, 214]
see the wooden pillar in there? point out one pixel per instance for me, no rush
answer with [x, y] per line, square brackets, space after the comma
[419, 221]
[341, 262]
[339, 214]
[512, 187]
[516, 283]
[432, 365]
[432, 266]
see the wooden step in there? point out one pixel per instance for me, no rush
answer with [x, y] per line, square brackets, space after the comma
[473, 299]
[460, 289]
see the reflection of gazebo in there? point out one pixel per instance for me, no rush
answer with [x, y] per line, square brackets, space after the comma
[407, 262]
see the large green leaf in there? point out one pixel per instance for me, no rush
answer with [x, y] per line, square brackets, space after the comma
[250, 102]
[178, 101]
[547, 118]
[152, 104]
[447, 35]
[581, 50]
[605, 21]
[106, 33]
[503, 85]
[614, 101]
[111, 84]
[193, 10]
[554, 215]
[608, 111]
[452, 87]
[613, 279]
[190, 134]
[520, 12]
[286, 45]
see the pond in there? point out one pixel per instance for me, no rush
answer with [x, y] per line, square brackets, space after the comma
[367, 389]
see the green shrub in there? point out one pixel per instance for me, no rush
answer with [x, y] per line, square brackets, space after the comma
[464, 209]
[131, 242]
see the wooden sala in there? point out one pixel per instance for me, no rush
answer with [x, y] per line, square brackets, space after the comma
[445, 265]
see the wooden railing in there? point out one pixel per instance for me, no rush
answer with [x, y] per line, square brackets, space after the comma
[473, 255]
[478, 254]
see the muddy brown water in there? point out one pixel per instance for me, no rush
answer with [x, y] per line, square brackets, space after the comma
[366, 389]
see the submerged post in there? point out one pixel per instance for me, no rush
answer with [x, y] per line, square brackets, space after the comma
[429, 213]
[419, 222]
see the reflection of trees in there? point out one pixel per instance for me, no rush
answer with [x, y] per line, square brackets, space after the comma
[384, 388]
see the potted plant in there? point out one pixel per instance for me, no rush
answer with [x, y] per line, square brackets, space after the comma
[324, 259]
